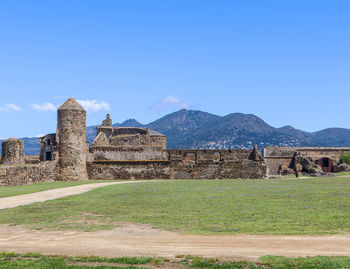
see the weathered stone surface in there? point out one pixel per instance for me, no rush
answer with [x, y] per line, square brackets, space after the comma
[129, 169]
[183, 164]
[254, 155]
[72, 151]
[276, 156]
[284, 170]
[107, 122]
[342, 167]
[12, 175]
[48, 148]
[12, 151]
[307, 165]
[127, 143]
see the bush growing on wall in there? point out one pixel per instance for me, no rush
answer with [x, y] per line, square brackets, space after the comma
[345, 158]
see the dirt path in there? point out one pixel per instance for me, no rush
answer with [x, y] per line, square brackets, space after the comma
[136, 240]
[42, 196]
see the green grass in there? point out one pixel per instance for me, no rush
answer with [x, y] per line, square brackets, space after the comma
[274, 206]
[38, 261]
[6, 191]
[343, 174]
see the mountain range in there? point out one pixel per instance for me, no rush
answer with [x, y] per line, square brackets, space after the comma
[197, 129]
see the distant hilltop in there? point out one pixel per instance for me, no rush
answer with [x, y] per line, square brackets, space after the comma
[197, 129]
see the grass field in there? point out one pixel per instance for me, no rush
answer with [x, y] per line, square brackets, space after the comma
[274, 206]
[6, 191]
[37, 261]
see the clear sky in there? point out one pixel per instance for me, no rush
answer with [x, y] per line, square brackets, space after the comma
[286, 61]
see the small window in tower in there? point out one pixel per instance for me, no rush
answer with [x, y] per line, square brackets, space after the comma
[48, 142]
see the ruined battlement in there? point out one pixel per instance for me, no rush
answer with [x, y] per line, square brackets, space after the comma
[126, 143]
[120, 153]
[280, 158]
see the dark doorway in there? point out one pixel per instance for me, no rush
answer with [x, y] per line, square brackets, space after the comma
[326, 164]
[48, 156]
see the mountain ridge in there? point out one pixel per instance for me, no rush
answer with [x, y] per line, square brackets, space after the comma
[198, 129]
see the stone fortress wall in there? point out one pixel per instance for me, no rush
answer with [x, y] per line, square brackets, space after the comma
[120, 153]
[182, 164]
[277, 158]
[140, 153]
[130, 153]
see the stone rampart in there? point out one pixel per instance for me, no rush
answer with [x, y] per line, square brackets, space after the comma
[13, 175]
[129, 169]
[182, 164]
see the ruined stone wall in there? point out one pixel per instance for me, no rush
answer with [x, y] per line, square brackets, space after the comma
[158, 141]
[220, 170]
[207, 154]
[13, 175]
[133, 140]
[277, 156]
[129, 170]
[126, 153]
[314, 152]
[183, 164]
[274, 163]
[48, 149]
[12, 151]
[174, 170]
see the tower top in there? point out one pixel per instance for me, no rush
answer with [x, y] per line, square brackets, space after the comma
[71, 104]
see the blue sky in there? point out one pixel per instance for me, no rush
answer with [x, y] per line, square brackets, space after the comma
[287, 62]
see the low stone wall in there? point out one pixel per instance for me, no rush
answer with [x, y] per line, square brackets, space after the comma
[12, 175]
[128, 170]
[175, 169]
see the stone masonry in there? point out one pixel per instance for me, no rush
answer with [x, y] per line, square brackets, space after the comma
[119, 153]
[12, 151]
[71, 126]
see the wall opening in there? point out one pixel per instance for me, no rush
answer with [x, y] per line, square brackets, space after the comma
[326, 164]
[48, 156]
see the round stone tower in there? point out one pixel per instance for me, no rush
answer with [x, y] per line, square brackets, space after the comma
[12, 151]
[72, 151]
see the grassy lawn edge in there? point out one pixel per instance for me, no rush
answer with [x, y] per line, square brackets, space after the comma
[36, 260]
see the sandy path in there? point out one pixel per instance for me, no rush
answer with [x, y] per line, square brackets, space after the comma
[42, 196]
[135, 240]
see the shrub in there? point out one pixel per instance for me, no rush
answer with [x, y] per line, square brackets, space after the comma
[345, 158]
